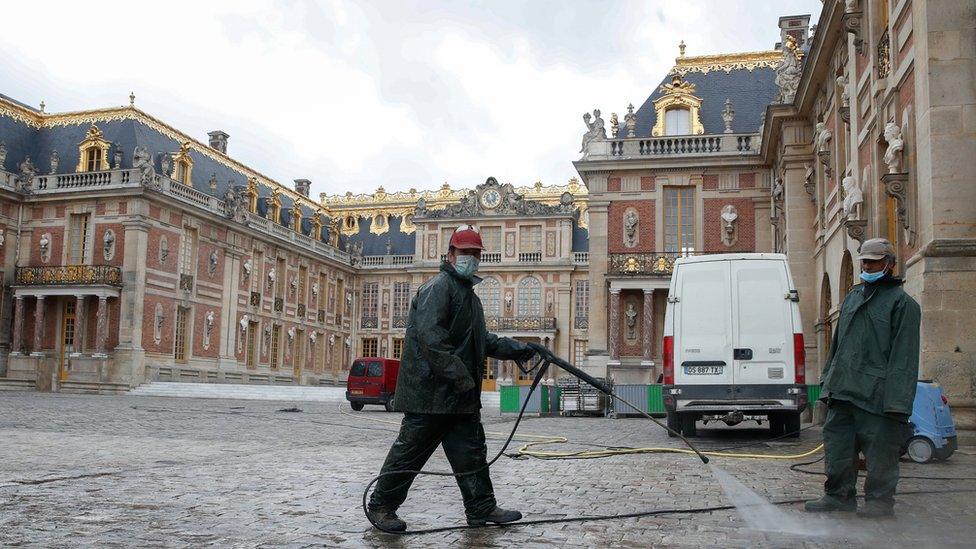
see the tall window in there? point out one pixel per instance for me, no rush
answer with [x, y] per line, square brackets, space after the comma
[679, 219]
[530, 239]
[371, 291]
[677, 122]
[182, 172]
[529, 297]
[251, 343]
[397, 347]
[579, 351]
[188, 250]
[275, 345]
[93, 159]
[257, 268]
[490, 293]
[401, 299]
[582, 305]
[323, 289]
[79, 239]
[341, 296]
[302, 275]
[281, 273]
[369, 346]
[179, 349]
[491, 237]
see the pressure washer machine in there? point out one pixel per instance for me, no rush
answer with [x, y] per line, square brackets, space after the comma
[930, 434]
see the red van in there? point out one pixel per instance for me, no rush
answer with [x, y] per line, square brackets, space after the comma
[372, 380]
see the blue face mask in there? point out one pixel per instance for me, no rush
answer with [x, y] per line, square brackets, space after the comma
[466, 265]
[872, 277]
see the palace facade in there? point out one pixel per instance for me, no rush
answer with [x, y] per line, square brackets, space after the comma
[130, 251]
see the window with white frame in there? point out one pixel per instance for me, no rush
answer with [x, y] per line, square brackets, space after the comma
[79, 239]
[401, 299]
[530, 239]
[489, 291]
[582, 305]
[491, 237]
[677, 122]
[529, 297]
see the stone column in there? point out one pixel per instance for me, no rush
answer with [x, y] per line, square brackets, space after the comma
[101, 326]
[613, 333]
[648, 328]
[80, 323]
[38, 326]
[17, 343]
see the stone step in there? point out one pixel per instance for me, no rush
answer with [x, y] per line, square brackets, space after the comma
[260, 392]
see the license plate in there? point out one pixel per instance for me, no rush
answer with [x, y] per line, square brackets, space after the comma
[356, 392]
[703, 370]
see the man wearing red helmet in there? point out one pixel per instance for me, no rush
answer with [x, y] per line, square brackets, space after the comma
[439, 389]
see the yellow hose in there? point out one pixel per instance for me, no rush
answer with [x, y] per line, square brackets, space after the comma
[539, 440]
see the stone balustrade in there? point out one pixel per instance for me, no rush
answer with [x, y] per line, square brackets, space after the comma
[673, 146]
[581, 258]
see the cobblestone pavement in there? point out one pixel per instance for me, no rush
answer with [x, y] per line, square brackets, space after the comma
[114, 471]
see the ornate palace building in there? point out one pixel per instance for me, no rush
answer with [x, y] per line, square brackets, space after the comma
[130, 251]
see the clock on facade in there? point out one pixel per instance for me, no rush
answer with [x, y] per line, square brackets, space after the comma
[491, 199]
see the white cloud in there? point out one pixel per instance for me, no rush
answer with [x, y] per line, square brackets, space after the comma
[354, 96]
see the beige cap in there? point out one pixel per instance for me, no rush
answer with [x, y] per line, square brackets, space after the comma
[876, 248]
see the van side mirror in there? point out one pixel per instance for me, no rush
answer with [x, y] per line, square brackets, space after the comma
[792, 295]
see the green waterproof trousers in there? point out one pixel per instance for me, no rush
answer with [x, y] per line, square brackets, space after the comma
[849, 430]
[463, 439]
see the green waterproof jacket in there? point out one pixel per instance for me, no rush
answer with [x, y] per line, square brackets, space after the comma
[873, 359]
[445, 348]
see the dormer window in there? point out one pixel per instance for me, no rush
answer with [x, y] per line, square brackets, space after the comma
[677, 122]
[252, 195]
[274, 206]
[183, 165]
[93, 151]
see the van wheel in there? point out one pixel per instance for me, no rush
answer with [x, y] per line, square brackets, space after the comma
[389, 404]
[791, 424]
[357, 406]
[674, 423]
[776, 425]
[688, 427]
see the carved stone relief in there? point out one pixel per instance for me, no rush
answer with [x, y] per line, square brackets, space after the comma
[44, 247]
[163, 249]
[159, 318]
[108, 245]
[729, 216]
[631, 221]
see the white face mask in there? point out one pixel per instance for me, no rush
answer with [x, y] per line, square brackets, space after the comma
[466, 265]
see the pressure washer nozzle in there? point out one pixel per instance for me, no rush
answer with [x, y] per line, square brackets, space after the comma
[704, 460]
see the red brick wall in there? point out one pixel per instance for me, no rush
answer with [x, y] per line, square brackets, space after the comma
[745, 225]
[906, 97]
[633, 347]
[709, 182]
[98, 254]
[203, 262]
[199, 330]
[123, 207]
[55, 248]
[148, 318]
[647, 183]
[747, 180]
[645, 227]
[152, 255]
[613, 184]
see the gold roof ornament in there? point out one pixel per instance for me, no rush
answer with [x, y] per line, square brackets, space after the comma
[681, 49]
[678, 95]
[727, 62]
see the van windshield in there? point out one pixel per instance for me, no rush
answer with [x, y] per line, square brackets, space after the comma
[375, 369]
[358, 369]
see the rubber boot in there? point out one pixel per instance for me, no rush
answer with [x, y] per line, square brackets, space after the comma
[829, 504]
[387, 520]
[496, 516]
[876, 509]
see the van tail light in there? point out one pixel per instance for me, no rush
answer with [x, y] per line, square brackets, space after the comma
[669, 360]
[799, 359]
[945, 401]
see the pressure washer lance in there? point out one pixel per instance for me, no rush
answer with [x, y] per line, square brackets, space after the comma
[547, 357]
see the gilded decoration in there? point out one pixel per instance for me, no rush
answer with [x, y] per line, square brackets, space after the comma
[252, 195]
[727, 62]
[296, 218]
[317, 223]
[94, 141]
[183, 164]
[678, 95]
[660, 264]
[69, 274]
[380, 223]
[274, 205]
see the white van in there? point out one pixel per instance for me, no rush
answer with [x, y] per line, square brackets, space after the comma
[733, 343]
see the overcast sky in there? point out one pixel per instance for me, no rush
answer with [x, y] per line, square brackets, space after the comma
[354, 95]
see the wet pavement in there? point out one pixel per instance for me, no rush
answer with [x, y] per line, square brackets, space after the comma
[122, 471]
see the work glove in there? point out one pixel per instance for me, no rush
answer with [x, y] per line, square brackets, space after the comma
[526, 353]
[464, 383]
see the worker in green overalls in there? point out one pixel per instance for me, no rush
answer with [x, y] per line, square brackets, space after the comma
[869, 386]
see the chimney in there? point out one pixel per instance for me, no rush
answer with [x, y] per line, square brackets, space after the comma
[302, 186]
[218, 141]
[797, 26]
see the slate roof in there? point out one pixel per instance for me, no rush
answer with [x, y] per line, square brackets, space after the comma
[750, 91]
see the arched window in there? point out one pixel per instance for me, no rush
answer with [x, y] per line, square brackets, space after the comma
[846, 276]
[93, 151]
[825, 305]
[183, 165]
[677, 122]
[490, 293]
[529, 297]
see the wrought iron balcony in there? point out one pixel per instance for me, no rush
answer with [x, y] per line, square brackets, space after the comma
[255, 299]
[186, 282]
[370, 322]
[582, 323]
[279, 304]
[321, 316]
[301, 310]
[646, 264]
[521, 323]
[68, 274]
[399, 322]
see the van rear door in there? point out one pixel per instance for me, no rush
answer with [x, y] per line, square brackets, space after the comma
[762, 325]
[702, 324]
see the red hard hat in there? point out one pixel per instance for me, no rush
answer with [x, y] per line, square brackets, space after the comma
[467, 237]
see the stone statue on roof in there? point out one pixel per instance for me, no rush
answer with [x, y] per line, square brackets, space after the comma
[142, 161]
[630, 121]
[595, 130]
[3, 155]
[55, 162]
[27, 173]
[614, 125]
[236, 203]
[788, 72]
